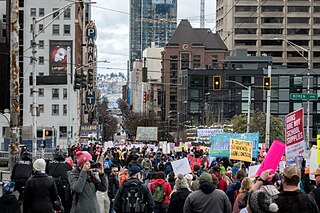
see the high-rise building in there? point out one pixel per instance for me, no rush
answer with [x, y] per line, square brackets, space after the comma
[254, 24]
[150, 21]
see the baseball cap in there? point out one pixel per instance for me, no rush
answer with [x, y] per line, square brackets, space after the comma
[317, 172]
[205, 177]
[291, 171]
[134, 170]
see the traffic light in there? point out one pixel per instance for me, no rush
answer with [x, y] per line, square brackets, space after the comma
[90, 76]
[48, 133]
[84, 79]
[144, 97]
[77, 81]
[217, 82]
[266, 83]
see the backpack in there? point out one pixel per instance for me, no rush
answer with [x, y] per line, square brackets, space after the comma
[146, 164]
[168, 168]
[158, 193]
[133, 199]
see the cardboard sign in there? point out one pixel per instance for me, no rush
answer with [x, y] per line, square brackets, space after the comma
[273, 157]
[295, 144]
[253, 170]
[241, 150]
[178, 149]
[181, 166]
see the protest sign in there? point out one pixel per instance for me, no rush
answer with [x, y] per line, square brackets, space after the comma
[181, 166]
[147, 133]
[208, 132]
[313, 160]
[178, 149]
[273, 157]
[220, 143]
[253, 170]
[295, 144]
[240, 150]
[282, 165]
[318, 145]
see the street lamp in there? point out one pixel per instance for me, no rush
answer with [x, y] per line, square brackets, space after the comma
[300, 50]
[249, 101]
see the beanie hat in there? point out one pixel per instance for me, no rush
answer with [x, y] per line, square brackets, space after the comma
[8, 187]
[82, 157]
[261, 202]
[181, 182]
[39, 165]
[134, 170]
[205, 177]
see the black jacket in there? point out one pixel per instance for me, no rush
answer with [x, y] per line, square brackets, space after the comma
[177, 200]
[316, 195]
[9, 204]
[148, 198]
[113, 186]
[40, 194]
[22, 171]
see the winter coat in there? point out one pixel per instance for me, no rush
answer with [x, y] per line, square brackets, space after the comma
[223, 185]
[177, 200]
[21, 172]
[9, 204]
[84, 189]
[166, 187]
[148, 199]
[113, 186]
[39, 194]
[231, 189]
[206, 200]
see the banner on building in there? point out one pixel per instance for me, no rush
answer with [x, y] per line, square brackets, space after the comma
[295, 144]
[220, 143]
[58, 57]
[147, 133]
[208, 132]
[241, 150]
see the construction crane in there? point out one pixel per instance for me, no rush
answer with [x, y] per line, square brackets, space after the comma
[202, 4]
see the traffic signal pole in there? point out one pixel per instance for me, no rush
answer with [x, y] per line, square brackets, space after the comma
[69, 73]
[267, 139]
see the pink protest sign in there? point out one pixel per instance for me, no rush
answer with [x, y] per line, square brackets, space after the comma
[273, 157]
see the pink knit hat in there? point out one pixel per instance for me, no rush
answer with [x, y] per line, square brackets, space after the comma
[82, 157]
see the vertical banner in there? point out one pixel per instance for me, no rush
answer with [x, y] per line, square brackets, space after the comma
[318, 145]
[58, 57]
[241, 150]
[295, 144]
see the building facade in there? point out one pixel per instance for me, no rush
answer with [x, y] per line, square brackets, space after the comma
[253, 25]
[150, 21]
[188, 48]
[52, 41]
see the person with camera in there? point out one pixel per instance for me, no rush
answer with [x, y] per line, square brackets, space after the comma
[84, 182]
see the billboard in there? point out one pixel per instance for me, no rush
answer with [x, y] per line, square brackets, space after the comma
[220, 143]
[147, 133]
[58, 57]
[295, 143]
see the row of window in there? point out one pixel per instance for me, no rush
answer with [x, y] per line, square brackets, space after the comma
[303, 9]
[55, 93]
[186, 61]
[55, 29]
[54, 109]
[41, 11]
[253, 31]
[275, 20]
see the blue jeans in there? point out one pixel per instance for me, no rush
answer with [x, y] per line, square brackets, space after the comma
[111, 209]
[162, 208]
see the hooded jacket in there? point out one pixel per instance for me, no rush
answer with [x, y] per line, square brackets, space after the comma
[9, 204]
[166, 187]
[206, 200]
[177, 200]
[222, 183]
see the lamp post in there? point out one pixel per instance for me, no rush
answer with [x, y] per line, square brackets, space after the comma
[300, 50]
[249, 101]
[34, 72]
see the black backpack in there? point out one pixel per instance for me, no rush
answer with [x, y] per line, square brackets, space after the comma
[133, 198]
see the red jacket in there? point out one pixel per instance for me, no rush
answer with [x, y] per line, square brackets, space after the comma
[166, 187]
[222, 183]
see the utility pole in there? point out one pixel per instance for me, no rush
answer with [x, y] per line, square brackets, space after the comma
[69, 83]
[267, 139]
[14, 86]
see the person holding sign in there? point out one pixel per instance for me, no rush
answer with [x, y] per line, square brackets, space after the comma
[291, 199]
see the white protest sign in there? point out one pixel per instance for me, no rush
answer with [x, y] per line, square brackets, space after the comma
[313, 161]
[282, 165]
[181, 166]
[253, 170]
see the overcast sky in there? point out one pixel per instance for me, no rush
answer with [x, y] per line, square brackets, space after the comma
[112, 21]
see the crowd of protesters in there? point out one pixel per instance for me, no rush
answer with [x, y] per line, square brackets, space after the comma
[140, 179]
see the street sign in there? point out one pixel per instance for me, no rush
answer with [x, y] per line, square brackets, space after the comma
[301, 96]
